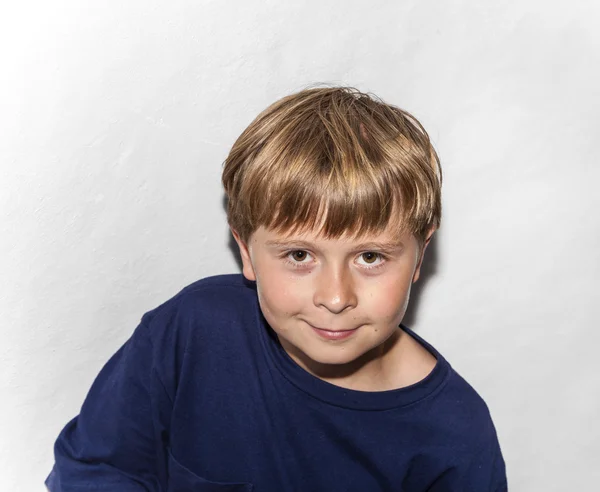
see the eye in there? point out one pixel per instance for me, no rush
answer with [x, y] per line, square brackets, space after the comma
[299, 256]
[370, 258]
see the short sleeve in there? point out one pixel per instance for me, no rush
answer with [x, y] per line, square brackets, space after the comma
[115, 441]
[483, 471]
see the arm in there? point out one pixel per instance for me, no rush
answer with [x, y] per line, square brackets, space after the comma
[484, 472]
[115, 442]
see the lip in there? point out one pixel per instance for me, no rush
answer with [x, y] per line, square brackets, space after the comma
[333, 334]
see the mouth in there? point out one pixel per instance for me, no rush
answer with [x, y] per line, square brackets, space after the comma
[333, 334]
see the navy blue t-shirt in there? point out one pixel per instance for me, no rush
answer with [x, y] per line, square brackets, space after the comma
[203, 398]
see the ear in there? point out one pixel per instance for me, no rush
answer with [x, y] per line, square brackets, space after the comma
[247, 267]
[417, 273]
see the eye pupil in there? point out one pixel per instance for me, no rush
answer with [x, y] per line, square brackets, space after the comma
[299, 255]
[370, 257]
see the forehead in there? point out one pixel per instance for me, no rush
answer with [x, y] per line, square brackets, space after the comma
[389, 237]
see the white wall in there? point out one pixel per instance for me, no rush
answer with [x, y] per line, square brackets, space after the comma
[116, 116]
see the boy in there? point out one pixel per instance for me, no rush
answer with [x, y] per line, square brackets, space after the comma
[296, 376]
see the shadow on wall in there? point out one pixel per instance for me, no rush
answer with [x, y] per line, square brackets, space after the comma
[231, 244]
[428, 270]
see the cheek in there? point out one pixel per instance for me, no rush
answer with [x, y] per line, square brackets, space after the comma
[278, 297]
[389, 300]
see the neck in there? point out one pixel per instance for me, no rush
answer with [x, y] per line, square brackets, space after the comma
[373, 371]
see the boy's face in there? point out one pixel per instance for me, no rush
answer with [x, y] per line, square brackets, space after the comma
[333, 303]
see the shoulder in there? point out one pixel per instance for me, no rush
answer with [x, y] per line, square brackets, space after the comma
[202, 313]
[217, 296]
[466, 428]
[460, 413]
[477, 460]
[219, 285]
[467, 409]
[206, 321]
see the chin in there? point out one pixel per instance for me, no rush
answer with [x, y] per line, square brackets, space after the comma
[334, 356]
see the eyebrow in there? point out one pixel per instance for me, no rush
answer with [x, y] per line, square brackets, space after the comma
[367, 246]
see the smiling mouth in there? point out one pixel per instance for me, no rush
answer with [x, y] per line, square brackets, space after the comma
[329, 330]
[333, 334]
[333, 331]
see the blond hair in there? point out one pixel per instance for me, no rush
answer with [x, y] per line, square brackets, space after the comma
[337, 159]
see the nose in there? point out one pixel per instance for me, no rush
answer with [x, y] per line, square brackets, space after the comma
[334, 290]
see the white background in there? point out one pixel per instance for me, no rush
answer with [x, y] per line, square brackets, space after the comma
[115, 120]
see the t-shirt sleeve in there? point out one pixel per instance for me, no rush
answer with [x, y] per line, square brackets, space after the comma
[483, 471]
[114, 443]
